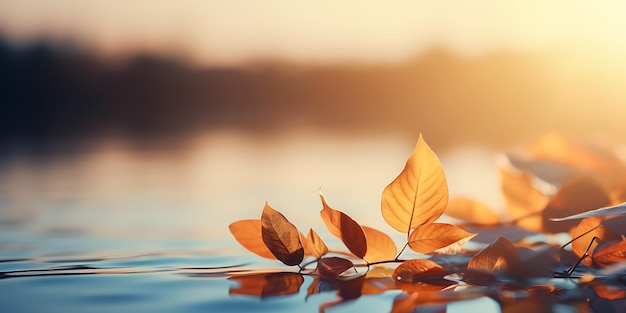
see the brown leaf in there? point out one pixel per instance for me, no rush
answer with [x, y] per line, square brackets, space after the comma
[380, 247]
[419, 195]
[333, 266]
[575, 196]
[316, 244]
[497, 257]
[523, 200]
[248, 234]
[584, 233]
[609, 252]
[281, 237]
[430, 237]
[418, 270]
[267, 285]
[609, 292]
[472, 211]
[345, 228]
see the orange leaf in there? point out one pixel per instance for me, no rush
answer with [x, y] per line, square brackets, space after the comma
[316, 244]
[584, 233]
[498, 256]
[575, 196]
[248, 234]
[333, 266]
[418, 270]
[430, 237]
[472, 211]
[281, 237]
[380, 247]
[419, 195]
[523, 200]
[267, 285]
[345, 228]
[609, 252]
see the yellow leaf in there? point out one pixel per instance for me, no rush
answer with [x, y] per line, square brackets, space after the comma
[345, 228]
[380, 247]
[281, 237]
[472, 211]
[523, 200]
[419, 195]
[248, 234]
[316, 244]
[430, 237]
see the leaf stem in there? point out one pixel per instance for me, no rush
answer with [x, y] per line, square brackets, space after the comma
[400, 253]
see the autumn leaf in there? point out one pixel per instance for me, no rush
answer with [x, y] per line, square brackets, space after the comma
[583, 235]
[419, 195]
[497, 257]
[523, 200]
[430, 237]
[380, 247]
[345, 228]
[281, 237]
[472, 211]
[248, 234]
[316, 244]
[609, 252]
[619, 209]
[418, 270]
[333, 266]
[575, 196]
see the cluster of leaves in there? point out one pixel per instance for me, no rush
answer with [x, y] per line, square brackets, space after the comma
[579, 194]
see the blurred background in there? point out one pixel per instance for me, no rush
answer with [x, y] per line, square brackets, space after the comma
[168, 119]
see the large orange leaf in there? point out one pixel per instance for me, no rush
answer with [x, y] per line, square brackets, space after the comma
[248, 234]
[498, 256]
[430, 237]
[609, 252]
[472, 211]
[281, 237]
[380, 247]
[345, 228]
[418, 270]
[316, 244]
[333, 266]
[419, 195]
[583, 235]
[523, 200]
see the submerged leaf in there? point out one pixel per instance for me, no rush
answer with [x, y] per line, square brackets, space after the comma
[248, 234]
[316, 244]
[419, 195]
[281, 237]
[267, 285]
[472, 211]
[345, 228]
[430, 237]
[380, 247]
[333, 266]
[418, 270]
[619, 209]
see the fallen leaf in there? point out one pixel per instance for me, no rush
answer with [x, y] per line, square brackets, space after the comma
[316, 244]
[522, 199]
[267, 285]
[418, 270]
[281, 237]
[430, 237]
[619, 209]
[472, 211]
[575, 196]
[419, 195]
[497, 257]
[248, 234]
[333, 266]
[345, 228]
[584, 233]
[609, 292]
[380, 247]
[609, 252]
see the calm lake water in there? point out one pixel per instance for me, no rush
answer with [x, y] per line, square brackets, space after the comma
[113, 226]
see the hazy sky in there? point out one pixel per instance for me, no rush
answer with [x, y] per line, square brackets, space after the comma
[318, 31]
